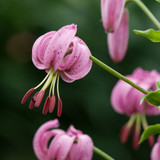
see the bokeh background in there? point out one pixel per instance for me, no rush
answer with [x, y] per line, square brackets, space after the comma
[86, 102]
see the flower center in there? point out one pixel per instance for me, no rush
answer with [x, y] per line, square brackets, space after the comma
[137, 120]
[50, 80]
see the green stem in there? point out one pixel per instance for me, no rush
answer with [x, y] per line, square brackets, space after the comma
[102, 154]
[146, 11]
[116, 74]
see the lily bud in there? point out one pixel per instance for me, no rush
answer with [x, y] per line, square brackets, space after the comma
[111, 12]
[118, 41]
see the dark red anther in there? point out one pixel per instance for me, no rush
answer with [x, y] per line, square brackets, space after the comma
[39, 98]
[52, 104]
[136, 138]
[59, 108]
[46, 105]
[151, 141]
[27, 95]
[33, 100]
[124, 134]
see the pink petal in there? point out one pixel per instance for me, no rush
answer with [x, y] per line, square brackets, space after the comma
[39, 48]
[83, 149]
[37, 146]
[77, 64]
[58, 46]
[111, 12]
[118, 41]
[73, 131]
[47, 136]
[60, 147]
[155, 154]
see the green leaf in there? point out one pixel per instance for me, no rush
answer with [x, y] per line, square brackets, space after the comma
[152, 97]
[142, 99]
[158, 85]
[151, 34]
[150, 131]
[158, 1]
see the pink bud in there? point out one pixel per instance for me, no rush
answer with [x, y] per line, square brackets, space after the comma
[118, 41]
[111, 11]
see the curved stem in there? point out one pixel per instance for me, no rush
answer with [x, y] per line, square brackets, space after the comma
[102, 154]
[116, 74]
[146, 11]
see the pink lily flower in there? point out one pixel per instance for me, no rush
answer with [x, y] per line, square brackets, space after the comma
[155, 154]
[126, 100]
[111, 12]
[69, 145]
[118, 41]
[61, 54]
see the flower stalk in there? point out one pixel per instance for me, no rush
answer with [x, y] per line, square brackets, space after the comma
[117, 74]
[146, 11]
[102, 154]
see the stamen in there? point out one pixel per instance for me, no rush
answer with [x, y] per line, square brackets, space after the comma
[145, 125]
[46, 105]
[58, 87]
[59, 108]
[151, 141]
[52, 104]
[43, 79]
[136, 135]
[124, 134]
[39, 98]
[33, 100]
[125, 131]
[27, 95]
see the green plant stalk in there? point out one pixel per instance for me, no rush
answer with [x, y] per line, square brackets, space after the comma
[146, 11]
[102, 154]
[116, 74]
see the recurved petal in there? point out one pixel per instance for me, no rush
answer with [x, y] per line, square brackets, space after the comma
[39, 48]
[58, 46]
[47, 136]
[38, 141]
[111, 12]
[60, 147]
[81, 64]
[83, 149]
[118, 41]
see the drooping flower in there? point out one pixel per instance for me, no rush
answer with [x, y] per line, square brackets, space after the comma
[126, 100]
[69, 145]
[111, 12]
[61, 54]
[118, 41]
[155, 154]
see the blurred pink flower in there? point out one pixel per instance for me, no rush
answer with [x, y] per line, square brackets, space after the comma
[118, 40]
[155, 154]
[111, 12]
[126, 100]
[69, 145]
[62, 54]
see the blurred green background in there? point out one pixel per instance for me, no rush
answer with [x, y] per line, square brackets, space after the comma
[86, 102]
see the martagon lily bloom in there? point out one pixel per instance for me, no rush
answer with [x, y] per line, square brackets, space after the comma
[155, 154]
[126, 100]
[61, 54]
[70, 145]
